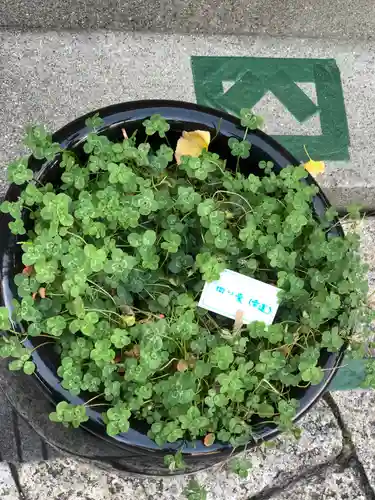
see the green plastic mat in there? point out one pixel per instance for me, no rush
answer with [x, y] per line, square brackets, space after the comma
[350, 376]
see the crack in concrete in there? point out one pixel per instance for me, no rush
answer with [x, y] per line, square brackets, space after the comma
[17, 482]
[348, 454]
[291, 479]
[346, 458]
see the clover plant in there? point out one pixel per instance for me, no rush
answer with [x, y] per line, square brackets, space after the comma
[115, 258]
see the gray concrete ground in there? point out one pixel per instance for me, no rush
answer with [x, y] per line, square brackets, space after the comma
[332, 460]
[52, 77]
[318, 19]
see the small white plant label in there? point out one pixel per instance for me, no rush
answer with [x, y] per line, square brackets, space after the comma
[236, 292]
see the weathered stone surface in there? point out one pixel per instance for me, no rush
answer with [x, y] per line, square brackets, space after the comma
[357, 409]
[329, 485]
[367, 231]
[53, 77]
[68, 479]
[8, 490]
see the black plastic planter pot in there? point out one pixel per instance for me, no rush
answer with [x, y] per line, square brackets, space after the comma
[33, 396]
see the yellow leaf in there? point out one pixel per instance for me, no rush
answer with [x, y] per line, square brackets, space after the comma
[314, 167]
[192, 144]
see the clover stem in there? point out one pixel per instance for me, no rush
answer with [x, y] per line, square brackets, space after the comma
[160, 376]
[307, 154]
[223, 191]
[92, 399]
[337, 223]
[159, 183]
[77, 236]
[102, 290]
[14, 331]
[217, 130]
[159, 284]
[146, 313]
[165, 260]
[186, 215]
[104, 311]
[41, 345]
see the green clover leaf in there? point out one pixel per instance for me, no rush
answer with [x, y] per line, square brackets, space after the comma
[194, 421]
[17, 227]
[69, 414]
[194, 491]
[187, 199]
[46, 270]
[240, 149]
[332, 340]
[121, 174]
[198, 168]
[56, 207]
[206, 207]
[102, 351]
[91, 382]
[180, 261]
[120, 338]
[240, 466]
[56, 325]
[172, 241]
[156, 124]
[29, 368]
[32, 195]
[28, 311]
[94, 122]
[120, 263]
[250, 120]
[209, 266]
[112, 389]
[145, 202]
[222, 357]
[118, 419]
[96, 257]
[166, 152]
[313, 374]
[18, 172]
[175, 462]
[40, 143]
[4, 319]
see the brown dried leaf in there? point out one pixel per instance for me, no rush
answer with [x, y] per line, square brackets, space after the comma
[182, 366]
[28, 270]
[209, 439]
[134, 352]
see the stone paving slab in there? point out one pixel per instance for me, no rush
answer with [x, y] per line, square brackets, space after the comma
[358, 415]
[54, 77]
[323, 465]
[329, 485]
[275, 17]
[273, 468]
[67, 479]
[8, 489]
